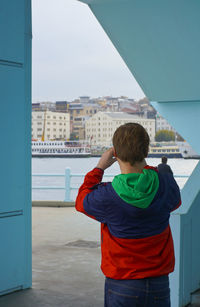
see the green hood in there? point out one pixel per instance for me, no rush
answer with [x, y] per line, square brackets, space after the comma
[137, 189]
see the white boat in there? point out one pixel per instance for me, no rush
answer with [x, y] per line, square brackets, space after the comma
[160, 149]
[156, 150]
[60, 149]
[187, 151]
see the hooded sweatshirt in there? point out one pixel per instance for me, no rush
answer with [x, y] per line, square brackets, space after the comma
[134, 211]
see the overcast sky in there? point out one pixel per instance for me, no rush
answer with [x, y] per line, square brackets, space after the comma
[72, 56]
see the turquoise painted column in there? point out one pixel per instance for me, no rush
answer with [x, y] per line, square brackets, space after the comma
[160, 42]
[15, 154]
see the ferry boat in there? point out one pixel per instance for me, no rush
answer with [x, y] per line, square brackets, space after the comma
[60, 149]
[187, 151]
[156, 150]
[169, 150]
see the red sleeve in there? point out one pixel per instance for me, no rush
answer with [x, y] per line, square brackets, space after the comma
[92, 178]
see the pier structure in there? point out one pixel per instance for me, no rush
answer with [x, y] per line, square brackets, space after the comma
[159, 42]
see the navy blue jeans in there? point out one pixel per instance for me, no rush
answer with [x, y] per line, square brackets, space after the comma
[148, 292]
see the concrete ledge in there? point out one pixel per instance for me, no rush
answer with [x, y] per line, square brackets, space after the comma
[50, 203]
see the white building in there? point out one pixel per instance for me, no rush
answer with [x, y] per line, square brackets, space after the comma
[101, 126]
[162, 124]
[55, 125]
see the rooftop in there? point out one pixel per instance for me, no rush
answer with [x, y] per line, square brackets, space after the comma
[121, 115]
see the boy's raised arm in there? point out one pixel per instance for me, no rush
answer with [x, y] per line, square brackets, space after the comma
[90, 199]
[91, 179]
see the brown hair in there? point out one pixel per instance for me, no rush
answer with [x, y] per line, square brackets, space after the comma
[164, 159]
[131, 143]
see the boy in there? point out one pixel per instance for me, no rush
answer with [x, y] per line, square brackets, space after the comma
[134, 209]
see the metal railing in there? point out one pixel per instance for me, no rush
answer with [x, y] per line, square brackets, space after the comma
[68, 176]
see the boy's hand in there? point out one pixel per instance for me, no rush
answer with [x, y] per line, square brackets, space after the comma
[107, 159]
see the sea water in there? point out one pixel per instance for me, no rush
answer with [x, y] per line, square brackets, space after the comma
[84, 165]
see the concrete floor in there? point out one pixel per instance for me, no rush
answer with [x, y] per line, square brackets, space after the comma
[63, 275]
[66, 262]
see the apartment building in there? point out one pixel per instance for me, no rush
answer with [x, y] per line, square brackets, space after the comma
[162, 123]
[54, 125]
[79, 127]
[101, 126]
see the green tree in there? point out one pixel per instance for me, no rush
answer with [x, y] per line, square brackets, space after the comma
[164, 136]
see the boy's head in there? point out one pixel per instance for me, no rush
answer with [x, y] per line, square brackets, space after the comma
[164, 159]
[131, 143]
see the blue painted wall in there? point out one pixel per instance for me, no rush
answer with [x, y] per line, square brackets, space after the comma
[184, 117]
[15, 154]
[189, 238]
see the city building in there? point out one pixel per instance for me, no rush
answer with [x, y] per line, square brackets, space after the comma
[100, 127]
[53, 125]
[62, 106]
[79, 109]
[36, 106]
[43, 106]
[84, 99]
[75, 109]
[47, 106]
[162, 124]
[90, 109]
[78, 131]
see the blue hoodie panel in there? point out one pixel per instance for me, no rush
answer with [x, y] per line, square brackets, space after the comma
[127, 221]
